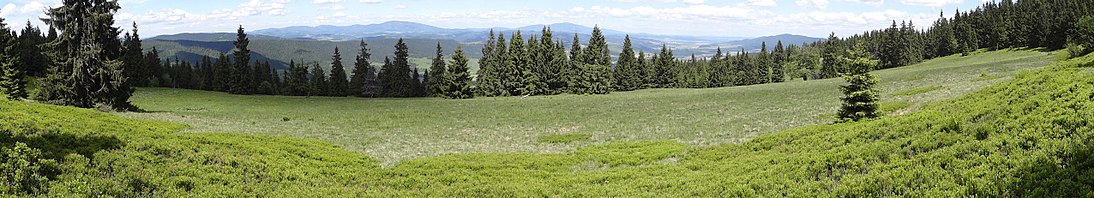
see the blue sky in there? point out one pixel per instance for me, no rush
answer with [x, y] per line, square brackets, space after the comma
[747, 18]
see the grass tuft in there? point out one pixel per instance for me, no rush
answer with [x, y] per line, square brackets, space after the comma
[563, 138]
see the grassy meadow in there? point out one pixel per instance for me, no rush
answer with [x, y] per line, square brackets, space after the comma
[394, 130]
[1030, 135]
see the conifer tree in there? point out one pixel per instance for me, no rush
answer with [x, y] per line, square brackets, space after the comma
[487, 78]
[529, 81]
[133, 57]
[338, 84]
[457, 78]
[860, 100]
[241, 78]
[153, 68]
[551, 63]
[572, 70]
[221, 74]
[830, 54]
[434, 85]
[626, 69]
[513, 71]
[208, 71]
[364, 83]
[778, 73]
[597, 51]
[664, 67]
[31, 58]
[296, 79]
[86, 70]
[12, 83]
[318, 82]
[763, 65]
[557, 65]
[417, 89]
[264, 78]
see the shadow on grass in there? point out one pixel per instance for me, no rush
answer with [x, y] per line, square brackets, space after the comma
[29, 161]
[56, 146]
[1072, 175]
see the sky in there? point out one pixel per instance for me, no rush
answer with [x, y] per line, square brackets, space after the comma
[736, 18]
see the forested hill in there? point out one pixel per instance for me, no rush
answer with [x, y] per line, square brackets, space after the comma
[192, 46]
[316, 43]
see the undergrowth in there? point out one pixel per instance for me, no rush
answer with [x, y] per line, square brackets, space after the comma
[1029, 136]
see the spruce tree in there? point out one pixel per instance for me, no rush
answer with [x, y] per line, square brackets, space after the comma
[664, 66]
[597, 51]
[434, 85]
[516, 59]
[208, 71]
[318, 83]
[403, 75]
[831, 66]
[221, 75]
[529, 81]
[626, 69]
[487, 78]
[133, 57]
[417, 89]
[860, 100]
[241, 78]
[31, 58]
[264, 78]
[86, 70]
[391, 80]
[457, 78]
[338, 84]
[572, 70]
[363, 83]
[778, 73]
[12, 83]
[643, 68]
[296, 79]
[763, 65]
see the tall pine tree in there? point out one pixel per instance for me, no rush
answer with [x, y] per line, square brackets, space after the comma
[86, 70]
[626, 69]
[338, 84]
[12, 83]
[241, 80]
[363, 83]
[434, 85]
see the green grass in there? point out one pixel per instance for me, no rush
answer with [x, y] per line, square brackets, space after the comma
[916, 91]
[1029, 136]
[563, 138]
[392, 130]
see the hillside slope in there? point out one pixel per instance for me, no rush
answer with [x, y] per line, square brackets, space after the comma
[391, 130]
[1030, 136]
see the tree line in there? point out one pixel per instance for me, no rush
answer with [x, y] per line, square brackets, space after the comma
[84, 62]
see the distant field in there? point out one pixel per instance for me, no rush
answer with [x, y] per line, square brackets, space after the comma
[392, 130]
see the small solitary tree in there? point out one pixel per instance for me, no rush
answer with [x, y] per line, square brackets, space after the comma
[860, 98]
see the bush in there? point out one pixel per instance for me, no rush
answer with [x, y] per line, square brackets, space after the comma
[23, 170]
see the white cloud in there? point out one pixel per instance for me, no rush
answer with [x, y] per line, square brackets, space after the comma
[764, 3]
[821, 4]
[400, 6]
[33, 7]
[7, 9]
[694, 2]
[931, 3]
[371, 1]
[325, 1]
[873, 2]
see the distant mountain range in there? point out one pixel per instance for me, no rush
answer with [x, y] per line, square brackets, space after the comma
[316, 43]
